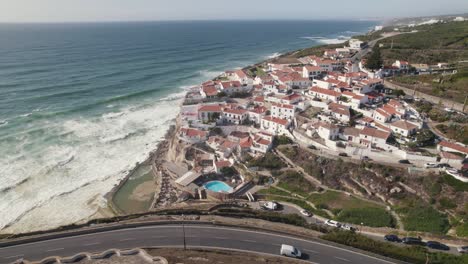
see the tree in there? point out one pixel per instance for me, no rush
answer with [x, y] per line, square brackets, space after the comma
[374, 62]
[398, 92]
[425, 138]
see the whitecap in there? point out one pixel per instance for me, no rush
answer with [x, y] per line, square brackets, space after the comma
[274, 55]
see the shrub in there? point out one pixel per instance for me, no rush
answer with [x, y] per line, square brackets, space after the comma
[269, 161]
[459, 186]
[375, 217]
[412, 254]
[446, 203]
[425, 219]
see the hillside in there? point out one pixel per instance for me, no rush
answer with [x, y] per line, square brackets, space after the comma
[442, 42]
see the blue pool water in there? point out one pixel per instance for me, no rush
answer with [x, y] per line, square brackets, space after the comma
[218, 186]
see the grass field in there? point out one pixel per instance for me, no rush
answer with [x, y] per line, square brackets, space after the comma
[374, 217]
[337, 200]
[424, 218]
[296, 183]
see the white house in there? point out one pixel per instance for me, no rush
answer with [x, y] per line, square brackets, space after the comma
[209, 91]
[262, 142]
[193, 135]
[233, 87]
[275, 126]
[256, 114]
[404, 128]
[324, 94]
[291, 99]
[351, 134]
[452, 147]
[327, 130]
[401, 65]
[356, 44]
[235, 116]
[209, 112]
[372, 137]
[284, 111]
[340, 112]
[311, 72]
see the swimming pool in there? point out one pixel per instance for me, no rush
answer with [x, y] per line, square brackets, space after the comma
[218, 186]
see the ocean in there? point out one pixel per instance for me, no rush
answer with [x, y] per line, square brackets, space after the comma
[81, 104]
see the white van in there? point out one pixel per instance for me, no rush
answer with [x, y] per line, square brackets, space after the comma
[290, 251]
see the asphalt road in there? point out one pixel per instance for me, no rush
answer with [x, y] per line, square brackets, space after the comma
[196, 236]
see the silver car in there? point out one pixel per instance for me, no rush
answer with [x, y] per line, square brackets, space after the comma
[462, 249]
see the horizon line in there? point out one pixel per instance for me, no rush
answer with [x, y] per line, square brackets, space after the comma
[194, 20]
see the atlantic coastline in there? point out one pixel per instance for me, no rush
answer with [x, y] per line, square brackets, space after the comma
[109, 122]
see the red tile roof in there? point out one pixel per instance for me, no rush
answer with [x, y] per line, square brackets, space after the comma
[402, 124]
[287, 106]
[235, 111]
[454, 146]
[373, 132]
[210, 90]
[279, 121]
[210, 108]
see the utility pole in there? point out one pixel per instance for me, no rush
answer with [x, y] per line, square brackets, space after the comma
[183, 231]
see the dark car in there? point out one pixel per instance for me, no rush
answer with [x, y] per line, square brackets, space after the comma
[413, 241]
[443, 165]
[342, 154]
[437, 245]
[392, 238]
[366, 158]
[404, 162]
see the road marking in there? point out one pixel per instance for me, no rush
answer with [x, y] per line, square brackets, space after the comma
[313, 251]
[221, 237]
[343, 259]
[289, 237]
[55, 249]
[126, 239]
[92, 244]
[159, 237]
[251, 241]
[16, 256]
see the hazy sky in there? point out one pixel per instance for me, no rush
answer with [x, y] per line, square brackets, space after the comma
[125, 10]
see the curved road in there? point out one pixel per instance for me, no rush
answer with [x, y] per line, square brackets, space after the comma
[196, 236]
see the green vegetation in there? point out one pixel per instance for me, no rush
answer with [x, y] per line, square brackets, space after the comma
[317, 50]
[453, 87]
[256, 71]
[412, 254]
[281, 140]
[337, 200]
[374, 60]
[459, 186]
[425, 137]
[457, 132]
[269, 161]
[295, 183]
[273, 191]
[375, 217]
[424, 218]
[299, 202]
[462, 230]
[443, 42]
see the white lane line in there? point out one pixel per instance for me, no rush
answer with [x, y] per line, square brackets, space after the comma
[92, 244]
[343, 259]
[55, 249]
[313, 251]
[16, 256]
[159, 237]
[221, 237]
[251, 241]
[290, 237]
[126, 239]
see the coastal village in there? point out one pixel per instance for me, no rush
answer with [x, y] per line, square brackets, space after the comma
[329, 103]
[324, 137]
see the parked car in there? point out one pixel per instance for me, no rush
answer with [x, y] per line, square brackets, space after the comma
[348, 227]
[332, 223]
[437, 245]
[343, 154]
[443, 165]
[392, 238]
[366, 158]
[463, 249]
[413, 241]
[452, 172]
[272, 206]
[431, 165]
[404, 162]
[290, 251]
[312, 147]
[306, 213]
